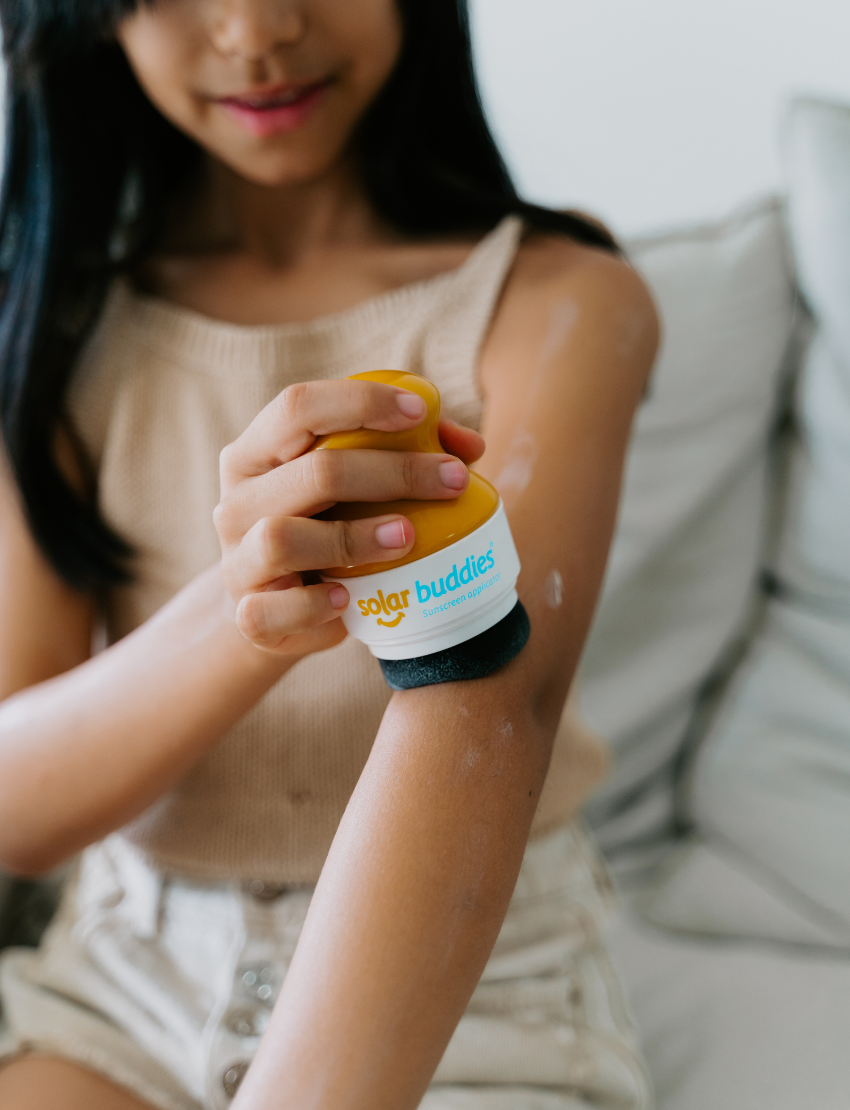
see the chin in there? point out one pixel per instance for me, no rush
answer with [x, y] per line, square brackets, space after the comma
[275, 170]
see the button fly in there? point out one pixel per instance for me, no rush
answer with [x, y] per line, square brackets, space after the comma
[247, 1023]
[233, 1077]
[259, 982]
[265, 892]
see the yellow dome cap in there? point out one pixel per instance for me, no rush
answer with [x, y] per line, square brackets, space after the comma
[437, 523]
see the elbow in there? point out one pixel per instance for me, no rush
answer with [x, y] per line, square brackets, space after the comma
[28, 853]
[542, 692]
[27, 862]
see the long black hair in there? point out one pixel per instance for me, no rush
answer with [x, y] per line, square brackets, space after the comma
[89, 172]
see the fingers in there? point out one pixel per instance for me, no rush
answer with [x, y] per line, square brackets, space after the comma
[289, 425]
[264, 525]
[312, 483]
[277, 546]
[269, 618]
[463, 442]
[320, 479]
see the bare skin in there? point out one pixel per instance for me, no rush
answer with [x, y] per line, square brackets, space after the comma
[422, 868]
[39, 1081]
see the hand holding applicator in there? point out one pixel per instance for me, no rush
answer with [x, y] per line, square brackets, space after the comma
[448, 610]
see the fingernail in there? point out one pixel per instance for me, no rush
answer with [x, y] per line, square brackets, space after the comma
[453, 475]
[411, 404]
[338, 597]
[391, 535]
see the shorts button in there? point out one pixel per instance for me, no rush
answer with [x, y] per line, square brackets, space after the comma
[259, 982]
[233, 1077]
[247, 1023]
[265, 892]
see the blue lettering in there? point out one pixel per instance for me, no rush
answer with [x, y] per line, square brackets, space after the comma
[435, 591]
[422, 592]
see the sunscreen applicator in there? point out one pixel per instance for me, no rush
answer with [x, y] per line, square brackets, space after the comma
[448, 610]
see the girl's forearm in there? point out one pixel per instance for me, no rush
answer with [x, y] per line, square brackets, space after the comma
[84, 753]
[409, 903]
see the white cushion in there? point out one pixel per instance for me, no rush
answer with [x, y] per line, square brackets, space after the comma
[686, 550]
[737, 1026]
[771, 788]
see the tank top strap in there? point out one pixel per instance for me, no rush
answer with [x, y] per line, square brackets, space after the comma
[463, 314]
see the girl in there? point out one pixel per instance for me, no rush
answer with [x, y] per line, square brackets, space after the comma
[214, 211]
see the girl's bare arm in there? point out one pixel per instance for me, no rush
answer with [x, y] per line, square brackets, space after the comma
[88, 744]
[424, 863]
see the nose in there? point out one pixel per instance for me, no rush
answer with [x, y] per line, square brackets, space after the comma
[252, 29]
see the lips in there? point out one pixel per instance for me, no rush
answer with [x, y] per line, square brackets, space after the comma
[274, 111]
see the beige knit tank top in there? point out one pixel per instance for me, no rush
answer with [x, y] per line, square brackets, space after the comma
[159, 392]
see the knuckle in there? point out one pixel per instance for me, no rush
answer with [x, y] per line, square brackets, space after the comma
[274, 541]
[408, 471]
[221, 519]
[346, 544]
[251, 619]
[304, 610]
[267, 540]
[266, 619]
[292, 401]
[323, 471]
[229, 465]
[368, 402]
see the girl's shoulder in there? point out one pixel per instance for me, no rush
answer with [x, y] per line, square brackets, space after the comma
[552, 266]
[559, 290]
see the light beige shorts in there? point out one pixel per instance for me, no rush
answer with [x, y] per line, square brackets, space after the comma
[165, 986]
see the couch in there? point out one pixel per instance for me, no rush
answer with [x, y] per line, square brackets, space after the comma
[718, 667]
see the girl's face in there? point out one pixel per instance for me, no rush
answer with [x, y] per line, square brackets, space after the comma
[273, 88]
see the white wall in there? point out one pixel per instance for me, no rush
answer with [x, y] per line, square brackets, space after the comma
[653, 112]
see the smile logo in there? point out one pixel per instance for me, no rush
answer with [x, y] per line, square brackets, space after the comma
[393, 604]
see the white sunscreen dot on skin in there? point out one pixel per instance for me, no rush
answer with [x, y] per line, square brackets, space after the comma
[518, 469]
[562, 320]
[470, 760]
[554, 589]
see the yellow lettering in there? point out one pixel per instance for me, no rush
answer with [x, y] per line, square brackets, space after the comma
[394, 602]
[391, 624]
[374, 605]
[364, 608]
[404, 594]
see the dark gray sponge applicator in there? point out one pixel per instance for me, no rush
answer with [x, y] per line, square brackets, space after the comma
[474, 658]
